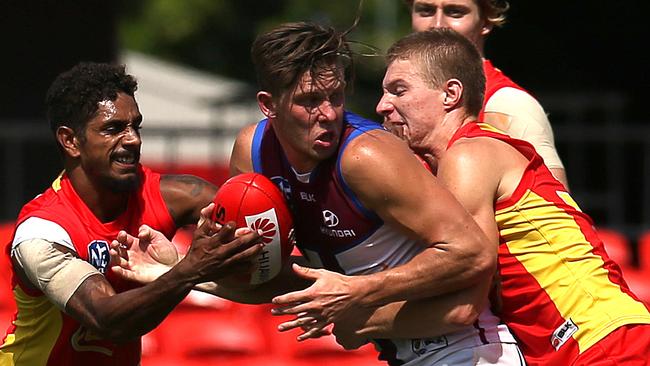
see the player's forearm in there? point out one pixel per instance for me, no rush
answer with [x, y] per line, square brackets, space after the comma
[433, 272]
[426, 317]
[285, 281]
[132, 313]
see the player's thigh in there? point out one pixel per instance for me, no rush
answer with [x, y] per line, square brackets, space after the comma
[493, 354]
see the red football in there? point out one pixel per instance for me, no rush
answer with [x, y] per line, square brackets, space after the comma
[252, 200]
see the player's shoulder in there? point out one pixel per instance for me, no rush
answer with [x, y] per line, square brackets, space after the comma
[35, 228]
[373, 144]
[246, 133]
[474, 151]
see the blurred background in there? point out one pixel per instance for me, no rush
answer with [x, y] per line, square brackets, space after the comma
[585, 61]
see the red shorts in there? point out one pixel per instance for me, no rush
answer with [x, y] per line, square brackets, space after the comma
[628, 345]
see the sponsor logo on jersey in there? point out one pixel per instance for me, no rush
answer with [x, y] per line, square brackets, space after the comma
[330, 219]
[98, 255]
[309, 197]
[563, 333]
[424, 345]
[338, 233]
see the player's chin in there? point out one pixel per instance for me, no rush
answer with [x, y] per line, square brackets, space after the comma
[124, 182]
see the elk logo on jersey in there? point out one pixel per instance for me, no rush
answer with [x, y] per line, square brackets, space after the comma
[330, 219]
[98, 255]
[563, 333]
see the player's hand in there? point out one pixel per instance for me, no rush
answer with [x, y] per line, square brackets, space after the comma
[348, 339]
[220, 251]
[143, 258]
[311, 326]
[324, 302]
[346, 329]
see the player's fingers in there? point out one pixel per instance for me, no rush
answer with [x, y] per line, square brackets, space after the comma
[118, 250]
[243, 231]
[205, 213]
[301, 296]
[117, 259]
[232, 244]
[306, 272]
[126, 274]
[312, 332]
[145, 232]
[294, 308]
[299, 322]
[238, 254]
[123, 239]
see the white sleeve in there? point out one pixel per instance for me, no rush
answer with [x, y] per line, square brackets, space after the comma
[37, 228]
[528, 122]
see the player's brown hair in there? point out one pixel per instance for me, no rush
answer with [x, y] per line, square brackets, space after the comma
[494, 11]
[443, 54]
[282, 55]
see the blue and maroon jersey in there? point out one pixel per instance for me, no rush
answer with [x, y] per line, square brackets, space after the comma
[335, 231]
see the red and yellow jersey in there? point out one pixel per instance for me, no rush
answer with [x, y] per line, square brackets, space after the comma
[42, 334]
[561, 292]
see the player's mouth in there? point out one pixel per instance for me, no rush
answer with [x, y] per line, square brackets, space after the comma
[396, 128]
[126, 160]
[325, 140]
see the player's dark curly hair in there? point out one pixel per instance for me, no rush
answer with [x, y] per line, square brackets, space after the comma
[72, 99]
[283, 54]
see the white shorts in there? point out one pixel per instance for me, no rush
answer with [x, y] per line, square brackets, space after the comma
[501, 354]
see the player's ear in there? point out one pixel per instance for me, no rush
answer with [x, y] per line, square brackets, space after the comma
[453, 89]
[486, 28]
[69, 141]
[266, 104]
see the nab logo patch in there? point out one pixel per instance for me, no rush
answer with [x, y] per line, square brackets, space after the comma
[98, 255]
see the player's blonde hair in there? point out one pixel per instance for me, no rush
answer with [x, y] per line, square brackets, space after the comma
[442, 54]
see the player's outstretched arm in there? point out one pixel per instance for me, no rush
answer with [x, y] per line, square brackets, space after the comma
[458, 257]
[389, 180]
[129, 314]
[423, 318]
[462, 166]
[145, 258]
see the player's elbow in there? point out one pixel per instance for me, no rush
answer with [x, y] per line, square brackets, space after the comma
[463, 315]
[480, 266]
[113, 332]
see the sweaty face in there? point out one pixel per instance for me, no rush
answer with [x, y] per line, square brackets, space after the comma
[310, 118]
[409, 105]
[110, 151]
[463, 16]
